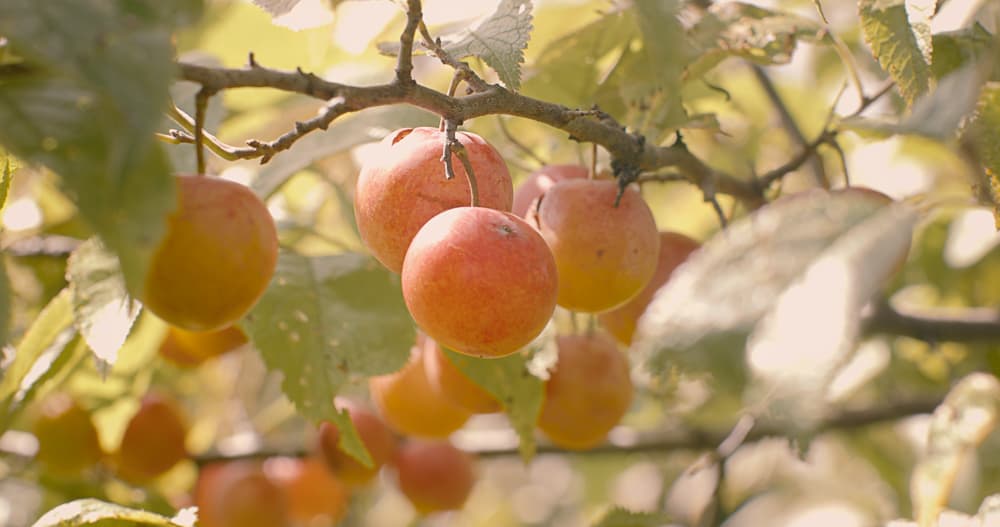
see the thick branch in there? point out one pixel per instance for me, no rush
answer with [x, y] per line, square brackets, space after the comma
[937, 325]
[580, 124]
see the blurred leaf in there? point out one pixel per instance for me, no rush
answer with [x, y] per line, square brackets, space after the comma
[896, 45]
[747, 31]
[701, 318]
[51, 330]
[102, 308]
[621, 517]
[956, 48]
[509, 381]
[102, 514]
[5, 178]
[936, 115]
[983, 134]
[276, 7]
[5, 303]
[796, 349]
[499, 40]
[324, 320]
[92, 123]
[370, 126]
[967, 415]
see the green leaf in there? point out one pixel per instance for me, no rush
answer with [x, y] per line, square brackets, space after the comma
[700, 320]
[369, 126]
[326, 320]
[747, 31]
[88, 108]
[937, 114]
[966, 417]
[6, 175]
[621, 517]
[896, 45]
[102, 308]
[84, 512]
[51, 331]
[499, 40]
[957, 48]
[509, 381]
[983, 135]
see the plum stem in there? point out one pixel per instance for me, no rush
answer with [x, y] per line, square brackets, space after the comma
[452, 146]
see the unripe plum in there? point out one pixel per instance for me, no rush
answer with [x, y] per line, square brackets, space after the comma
[377, 438]
[216, 258]
[454, 385]
[404, 186]
[411, 406]
[191, 348]
[315, 497]
[434, 475]
[153, 441]
[605, 254]
[67, 438]
[480, 281]
[588, 392]
[621, 321]
[540, 181]
[239, 494]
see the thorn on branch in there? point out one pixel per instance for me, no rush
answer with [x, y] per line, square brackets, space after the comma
[252, 61]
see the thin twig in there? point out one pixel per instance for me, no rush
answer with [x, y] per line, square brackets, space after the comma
[519, 145]
[200, 107]
[815, 163]
[936, 325]
[404, 63]
[454, 148]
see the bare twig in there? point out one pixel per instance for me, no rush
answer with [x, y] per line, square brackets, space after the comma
[520, 146]
[813, 160]
[461, 68]
[454, 148]
[200, 106]
[404, 63]
[936, 325]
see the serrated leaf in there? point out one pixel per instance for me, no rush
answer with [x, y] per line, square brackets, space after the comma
[499, 40]
[365, 127]
[510, 382]
[103, 311]
[52, 328]
[325, 320]
[89, 109]
[754, 33]
[701, 318]
[936, 115]
[796, 349]
[919, 14]
[98, 513]
[896, 46]
[983, 134]
[968, 414]
[622, 517]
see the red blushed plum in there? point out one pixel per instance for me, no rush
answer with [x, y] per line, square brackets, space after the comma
[153, 441]
[480, 281]
[435, 476]
[239, 494]
[587, 394]
[404, 186]
[605, 254]
[621, 321]
[540, 181]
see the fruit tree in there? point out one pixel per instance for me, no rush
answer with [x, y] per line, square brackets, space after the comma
[602, 263]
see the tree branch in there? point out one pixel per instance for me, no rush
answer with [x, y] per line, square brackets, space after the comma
[936, 325]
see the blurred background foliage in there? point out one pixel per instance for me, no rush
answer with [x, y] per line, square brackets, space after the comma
[580, 53]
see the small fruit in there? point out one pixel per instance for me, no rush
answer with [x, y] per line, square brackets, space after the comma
[67, 438]
[621, 321]
[480, 281]
[540, 181]
[409, 404]
[153, 441]
[588, 392]
[315, 497]
[377, 438]
[239, 494]
[191, 348]
[404, 186]
[435, 476]
[605, 254]
[454, 385]
[216, 258]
